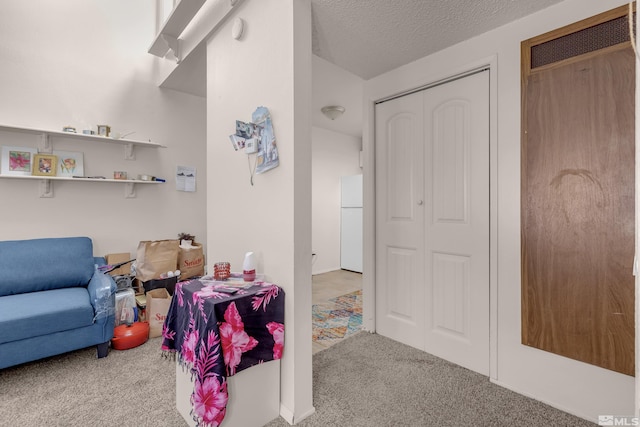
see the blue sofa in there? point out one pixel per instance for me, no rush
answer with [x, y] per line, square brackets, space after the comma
[53, 299]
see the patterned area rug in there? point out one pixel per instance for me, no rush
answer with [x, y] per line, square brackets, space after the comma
[337, 319]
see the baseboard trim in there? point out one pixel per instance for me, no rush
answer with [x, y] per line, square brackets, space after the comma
[289, 417]
[546, 402]
[286, 414]
[326, 270]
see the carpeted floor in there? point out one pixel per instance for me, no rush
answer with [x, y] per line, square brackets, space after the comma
[135, 387]
[337, 319]
[365, 380]
[369, 380]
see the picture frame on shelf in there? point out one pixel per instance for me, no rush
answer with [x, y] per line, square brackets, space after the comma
[45, 164]
[17, 161]
[104, 130]
[70, 163]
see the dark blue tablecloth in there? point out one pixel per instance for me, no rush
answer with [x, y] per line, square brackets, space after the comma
[216, 335]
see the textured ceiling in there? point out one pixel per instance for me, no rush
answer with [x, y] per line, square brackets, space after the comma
[371, 37]
[366, 38]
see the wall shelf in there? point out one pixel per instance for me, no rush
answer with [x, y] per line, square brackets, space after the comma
[45, 139]
[66, 178]
[46, 185]
[45, 146]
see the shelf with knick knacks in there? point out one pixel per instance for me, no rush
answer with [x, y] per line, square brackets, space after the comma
[45, 149]
[45, 146]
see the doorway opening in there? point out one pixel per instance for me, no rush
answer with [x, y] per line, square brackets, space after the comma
[337, 307]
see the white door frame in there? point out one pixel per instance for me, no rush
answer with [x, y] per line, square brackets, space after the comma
[369, 190]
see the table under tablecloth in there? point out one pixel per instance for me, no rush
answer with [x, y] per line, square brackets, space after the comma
[216, 335]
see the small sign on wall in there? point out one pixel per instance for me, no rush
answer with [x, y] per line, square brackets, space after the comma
[186, 178]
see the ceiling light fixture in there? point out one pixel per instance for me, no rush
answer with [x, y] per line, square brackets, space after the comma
[332, 111]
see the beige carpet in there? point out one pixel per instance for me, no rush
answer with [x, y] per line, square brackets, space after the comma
[135, 387]
[369, 380]
[366, 380]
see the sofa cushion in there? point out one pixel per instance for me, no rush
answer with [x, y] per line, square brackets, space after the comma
[44, 264]
[42, 313]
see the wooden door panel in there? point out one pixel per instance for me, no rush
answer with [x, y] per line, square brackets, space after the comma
[578, 210]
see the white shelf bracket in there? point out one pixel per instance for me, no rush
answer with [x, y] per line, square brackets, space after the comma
[129, 154]
[46, 189]
[130, 190]
[44, 145]
[174, 46]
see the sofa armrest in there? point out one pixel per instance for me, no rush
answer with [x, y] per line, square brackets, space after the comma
[102, 293]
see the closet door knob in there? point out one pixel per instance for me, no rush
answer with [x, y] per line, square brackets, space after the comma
[420, 202]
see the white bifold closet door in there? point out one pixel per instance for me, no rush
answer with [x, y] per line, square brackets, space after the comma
[432, 220]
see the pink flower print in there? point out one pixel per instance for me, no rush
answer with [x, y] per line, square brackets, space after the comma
[19, 160]
[277, 330]
[189, 347]
[235, 340]
[167, 334]
[264, 296]
[210, 400]
[178, 291]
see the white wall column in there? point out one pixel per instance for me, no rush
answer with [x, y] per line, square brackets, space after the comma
[270, 66]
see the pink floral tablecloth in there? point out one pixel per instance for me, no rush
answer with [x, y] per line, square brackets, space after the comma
[217, 334]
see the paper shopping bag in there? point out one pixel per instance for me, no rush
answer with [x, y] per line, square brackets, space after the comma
[191, 261]
[156, 257]
[158, 302]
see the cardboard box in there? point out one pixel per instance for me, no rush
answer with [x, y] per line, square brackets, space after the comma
[113, 259]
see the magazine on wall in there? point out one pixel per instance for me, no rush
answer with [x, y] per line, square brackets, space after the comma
[268, 157]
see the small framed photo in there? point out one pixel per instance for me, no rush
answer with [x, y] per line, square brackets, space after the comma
[17, 161]
[245, 130]
[70, 163]
[104, 130]
[45, 164]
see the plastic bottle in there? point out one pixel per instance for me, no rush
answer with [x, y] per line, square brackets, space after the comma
[249, 267]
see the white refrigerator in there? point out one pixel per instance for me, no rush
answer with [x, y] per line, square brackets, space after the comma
[351, 223]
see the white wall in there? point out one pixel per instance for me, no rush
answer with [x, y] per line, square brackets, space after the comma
[333, 85]
[576, 387]
[334, 155]
[270, 66]
[85, 62]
